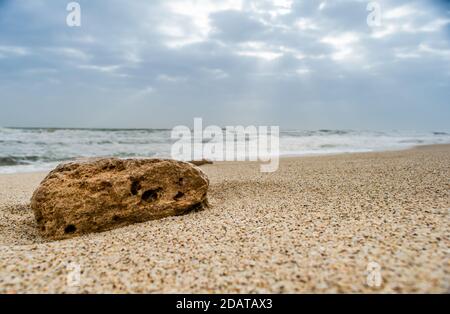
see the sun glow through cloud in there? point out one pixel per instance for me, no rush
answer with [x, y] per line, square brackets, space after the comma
[291, 60]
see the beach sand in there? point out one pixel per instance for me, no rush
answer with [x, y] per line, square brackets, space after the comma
[312, 226]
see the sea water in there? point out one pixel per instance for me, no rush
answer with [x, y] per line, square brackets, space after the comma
[39, 149]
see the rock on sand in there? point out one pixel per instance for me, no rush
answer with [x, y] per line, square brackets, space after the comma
[97, 195]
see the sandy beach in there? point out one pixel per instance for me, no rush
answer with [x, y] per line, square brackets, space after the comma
[312, 226]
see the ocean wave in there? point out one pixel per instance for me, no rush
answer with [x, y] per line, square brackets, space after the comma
[52, 130]
[322, 132]
[412, 141]
[42, 148]
[17, 160]
[26, 160]
[335, 132]
[11, 142]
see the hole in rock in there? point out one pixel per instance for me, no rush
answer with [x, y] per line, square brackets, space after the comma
[115, 218]
[151, 195]
[178, 196]
[104, 184]
[70, 229]
[135, 187]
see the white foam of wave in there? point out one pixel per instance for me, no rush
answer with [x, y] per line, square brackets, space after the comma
[42, 149]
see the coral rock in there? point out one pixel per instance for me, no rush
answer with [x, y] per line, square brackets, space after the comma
[201, 162]
[101, 194]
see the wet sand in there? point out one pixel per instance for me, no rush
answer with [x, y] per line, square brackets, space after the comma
[312, 226]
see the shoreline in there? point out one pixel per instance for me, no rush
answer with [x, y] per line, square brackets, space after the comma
[315, 225]
[280, 158]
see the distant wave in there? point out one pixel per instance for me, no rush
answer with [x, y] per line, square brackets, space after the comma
[440, 133]
[51, 130]
[23, 160]
[32, 149]
[302, 133]
[338, 132]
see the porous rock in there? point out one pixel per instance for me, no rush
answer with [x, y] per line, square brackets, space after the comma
[201, 162]
[95, 195]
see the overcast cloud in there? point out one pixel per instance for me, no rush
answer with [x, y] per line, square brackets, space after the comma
[297, 64]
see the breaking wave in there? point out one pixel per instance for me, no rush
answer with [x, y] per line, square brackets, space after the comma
[29, 149]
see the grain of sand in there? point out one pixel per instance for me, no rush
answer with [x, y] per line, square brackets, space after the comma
[312, 226]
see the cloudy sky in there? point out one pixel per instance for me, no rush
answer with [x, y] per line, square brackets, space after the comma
[297, 64]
